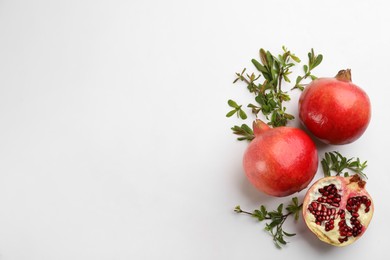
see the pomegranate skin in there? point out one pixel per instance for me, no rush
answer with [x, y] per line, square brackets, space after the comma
[335, 111]
[280, 161]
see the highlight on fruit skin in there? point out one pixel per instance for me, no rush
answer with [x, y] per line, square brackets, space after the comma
[280, 161]
[338, 209]
[335, 110]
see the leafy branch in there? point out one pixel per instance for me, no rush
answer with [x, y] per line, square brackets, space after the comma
[236, 110]
[314, 61]
[244, 132]
[334, 161]
[277, 219]
[269, 97]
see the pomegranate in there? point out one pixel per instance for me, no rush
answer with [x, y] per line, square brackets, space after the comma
[334, 109]
[338, 209]
[280, 161]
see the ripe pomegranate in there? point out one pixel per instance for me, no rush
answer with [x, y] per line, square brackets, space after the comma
[338, 209]
[280, 161]
[334, 109]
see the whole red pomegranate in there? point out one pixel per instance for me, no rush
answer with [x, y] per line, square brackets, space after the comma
[334, 109]
[338, 209]
[280, 161]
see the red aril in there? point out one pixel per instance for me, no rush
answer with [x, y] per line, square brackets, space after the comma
[338, 209]
[334, 109]
[280, 161]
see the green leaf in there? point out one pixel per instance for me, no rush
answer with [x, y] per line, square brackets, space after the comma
[317, 61]
[231, 113]
[263, 210]
[280, 208]
[263, 57]
[281, 240]
[295, 58]
[299, 79]
[305, 68]
[325, 168]
[232, 103]
[242, 114]
[289, 234]
[270, 60]
[274, 223]
[260, 67]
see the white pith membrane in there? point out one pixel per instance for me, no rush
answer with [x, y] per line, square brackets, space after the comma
[323, 229]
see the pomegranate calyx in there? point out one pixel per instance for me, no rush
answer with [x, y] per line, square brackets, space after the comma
[360, 182]
[259, 127]
[344, 75]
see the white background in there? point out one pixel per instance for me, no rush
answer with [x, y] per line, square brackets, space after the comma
[113, 138]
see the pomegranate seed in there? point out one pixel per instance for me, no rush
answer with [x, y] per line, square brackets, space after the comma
[349, 234]
[343, 233]
[335, 204]
[320, 200]
[318, 222]
[341, 240]
[349, 208]
[314, 204]
[336, 200]
[323, 208]
[368, 203]
[329, 212]
[355, 214]
[329, 201]
[367, 209]
[326, 193]
[321, 190]
[331, 196]
[331, 227]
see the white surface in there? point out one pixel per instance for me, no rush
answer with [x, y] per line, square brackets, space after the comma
[113, 137]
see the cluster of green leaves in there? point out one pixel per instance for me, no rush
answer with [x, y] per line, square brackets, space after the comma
[236, 110]
[276, 218]
[334, 161]
[244, 132]
[314, 61]
[269, 96]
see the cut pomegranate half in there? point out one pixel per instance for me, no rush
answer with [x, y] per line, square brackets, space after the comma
[338, 209]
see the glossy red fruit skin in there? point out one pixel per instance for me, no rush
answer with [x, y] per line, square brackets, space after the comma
[335, 111]
[280, 161]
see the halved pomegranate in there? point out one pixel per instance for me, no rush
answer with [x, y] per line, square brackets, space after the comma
[338, 209]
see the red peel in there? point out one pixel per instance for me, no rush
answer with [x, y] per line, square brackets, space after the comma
[280, 161]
